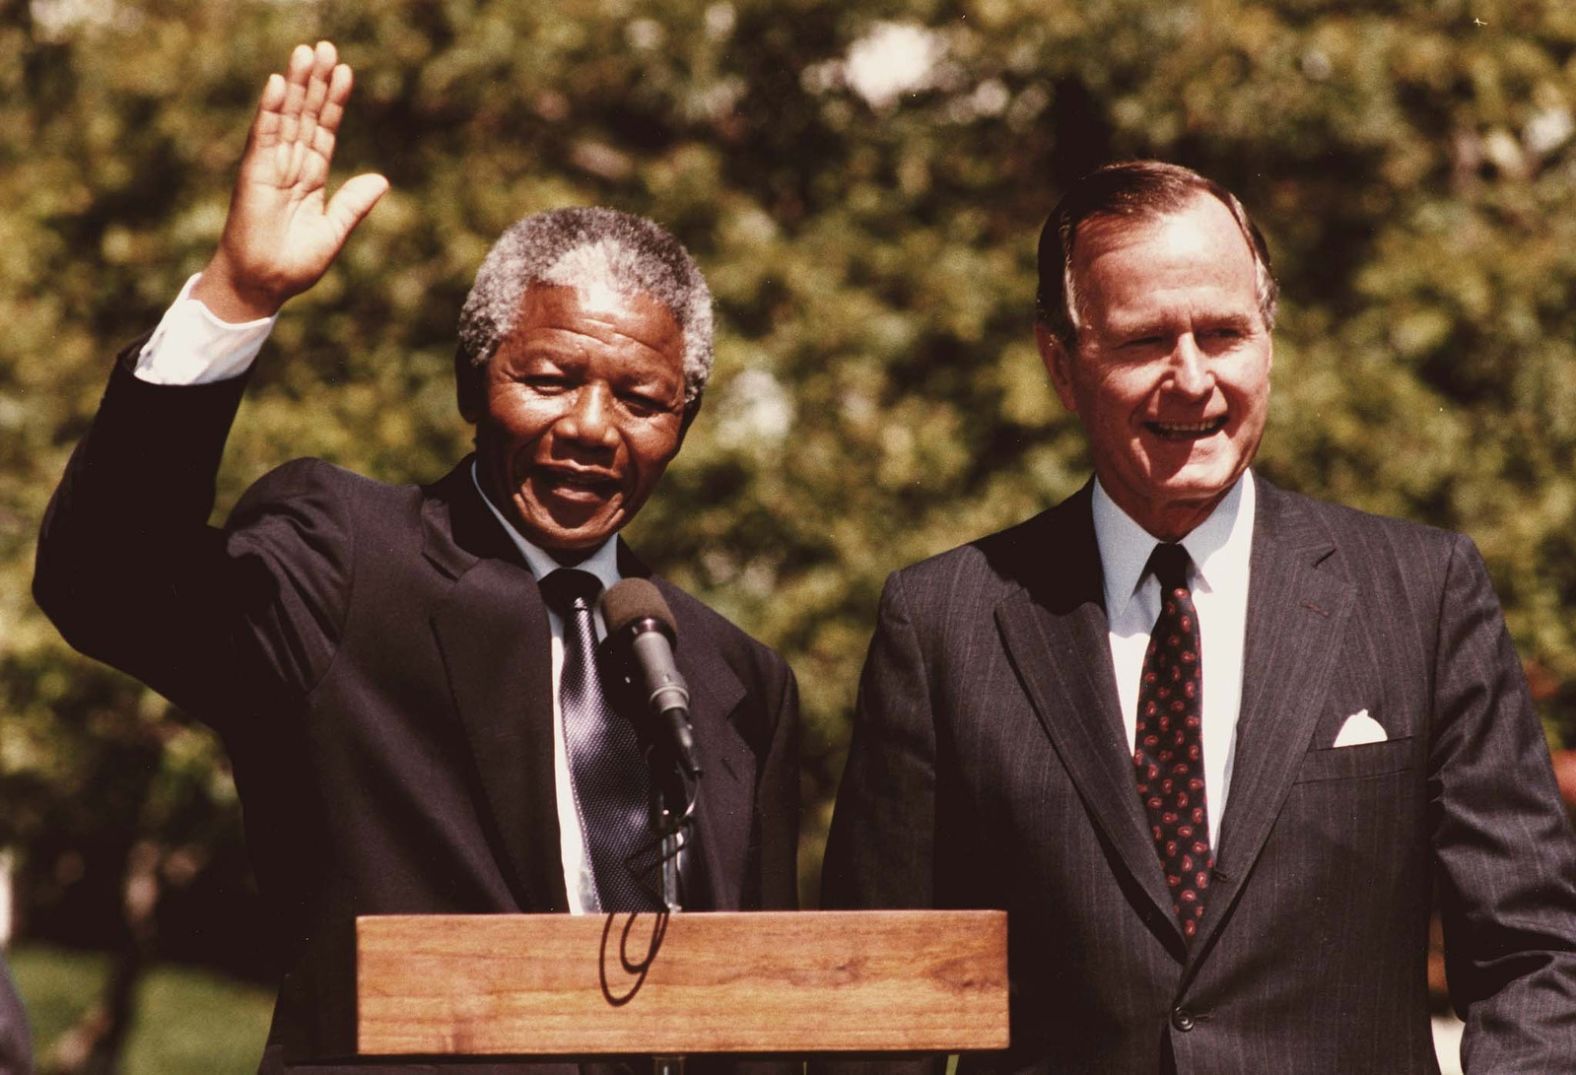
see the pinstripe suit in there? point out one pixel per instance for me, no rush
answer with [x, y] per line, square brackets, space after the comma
[989, 769]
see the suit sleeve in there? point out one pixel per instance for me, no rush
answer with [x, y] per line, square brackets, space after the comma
[881, 849]
[1503, 846]
[881, 852]
[223, 622]
[777, 803]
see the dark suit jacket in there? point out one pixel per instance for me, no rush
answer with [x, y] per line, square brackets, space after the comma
[16, 1050]
[989, 768]
[376, 660]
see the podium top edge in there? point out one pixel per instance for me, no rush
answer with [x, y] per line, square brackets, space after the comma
[928, 916]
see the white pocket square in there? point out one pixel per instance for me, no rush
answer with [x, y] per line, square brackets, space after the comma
[1360, 728]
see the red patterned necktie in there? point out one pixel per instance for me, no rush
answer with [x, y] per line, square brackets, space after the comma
[1168, 756]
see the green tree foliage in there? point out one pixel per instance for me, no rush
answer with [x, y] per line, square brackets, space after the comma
[877, 396]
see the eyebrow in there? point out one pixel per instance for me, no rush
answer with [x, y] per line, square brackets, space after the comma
[641, 372]
[1163, 326]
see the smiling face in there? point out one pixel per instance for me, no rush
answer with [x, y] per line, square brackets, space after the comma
[1171, 373]
[581, 412]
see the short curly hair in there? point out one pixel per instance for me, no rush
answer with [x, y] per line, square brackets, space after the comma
[580, 248]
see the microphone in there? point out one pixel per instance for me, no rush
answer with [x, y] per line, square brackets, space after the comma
[637, 616]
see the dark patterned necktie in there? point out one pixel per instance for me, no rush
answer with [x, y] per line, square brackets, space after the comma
[1169, 753]
[606, 770]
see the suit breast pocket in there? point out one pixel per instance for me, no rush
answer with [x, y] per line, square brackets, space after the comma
[1352, 763]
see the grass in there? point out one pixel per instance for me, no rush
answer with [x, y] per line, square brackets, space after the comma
[188, 1021]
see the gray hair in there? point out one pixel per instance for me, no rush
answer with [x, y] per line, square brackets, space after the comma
[581, 248]
[1132, 189]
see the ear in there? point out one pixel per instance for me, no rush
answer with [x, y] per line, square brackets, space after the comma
[1058, 364]
[468, 394]
[690, 411]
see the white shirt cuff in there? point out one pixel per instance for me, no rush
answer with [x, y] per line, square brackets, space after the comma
[193, 346]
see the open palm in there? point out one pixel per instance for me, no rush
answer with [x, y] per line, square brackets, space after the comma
[283, 232]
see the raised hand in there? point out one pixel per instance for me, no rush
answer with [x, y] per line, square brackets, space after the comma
[283, 232]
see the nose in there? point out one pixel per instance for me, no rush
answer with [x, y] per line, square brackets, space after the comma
[1190, 370]
[589, 420]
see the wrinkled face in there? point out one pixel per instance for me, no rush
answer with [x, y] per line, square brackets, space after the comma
[582, 409]
[1171, 375]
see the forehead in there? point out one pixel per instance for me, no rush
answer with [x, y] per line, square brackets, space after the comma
[1196, 256]
[596, 319]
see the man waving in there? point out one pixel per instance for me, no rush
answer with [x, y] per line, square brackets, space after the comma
[406, 676]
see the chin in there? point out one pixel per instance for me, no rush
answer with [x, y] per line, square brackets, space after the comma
[1201, 488]
[576, 540]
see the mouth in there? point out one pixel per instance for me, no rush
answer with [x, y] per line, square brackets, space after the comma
[568, 483]
[1185, 431]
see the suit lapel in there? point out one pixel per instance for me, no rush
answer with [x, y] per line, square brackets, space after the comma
[1057, 637]
[493, 635]
[1297, 615]
[725, 810]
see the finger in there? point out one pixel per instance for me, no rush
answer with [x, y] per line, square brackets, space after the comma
[306, 134]
[334, 106]
[265, 128]
[321, 148]
[324, 60]
[354, 201]
[296, 76]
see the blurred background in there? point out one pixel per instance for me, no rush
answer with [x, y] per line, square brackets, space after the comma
[863, 184]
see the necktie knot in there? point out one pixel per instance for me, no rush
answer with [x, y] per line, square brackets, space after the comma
[1169, 564]
[561, 589]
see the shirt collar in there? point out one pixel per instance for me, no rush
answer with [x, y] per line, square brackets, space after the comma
[1219, 546]
[603, 563]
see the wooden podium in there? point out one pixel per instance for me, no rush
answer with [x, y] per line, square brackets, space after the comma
[691, 983]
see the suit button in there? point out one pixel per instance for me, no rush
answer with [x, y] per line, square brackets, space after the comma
[1182, 1019]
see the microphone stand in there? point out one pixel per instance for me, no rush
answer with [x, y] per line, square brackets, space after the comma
[672, 804]
[667, 792]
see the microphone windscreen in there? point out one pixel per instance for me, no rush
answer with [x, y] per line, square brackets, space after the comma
[631, 600]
